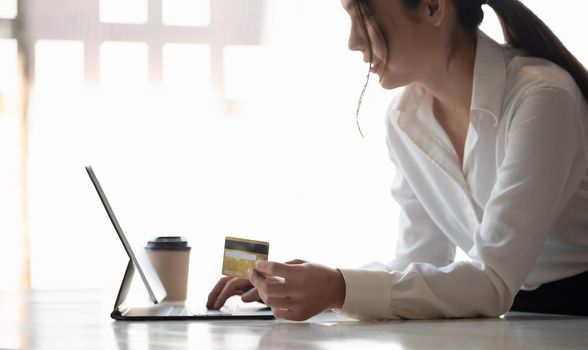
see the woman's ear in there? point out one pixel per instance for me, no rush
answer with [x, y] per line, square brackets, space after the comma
[433, 11]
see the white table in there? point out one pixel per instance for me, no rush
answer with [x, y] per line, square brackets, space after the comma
[80, 320]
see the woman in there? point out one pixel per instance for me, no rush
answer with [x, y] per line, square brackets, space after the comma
[490, 144]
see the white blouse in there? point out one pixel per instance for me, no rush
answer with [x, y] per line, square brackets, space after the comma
[518, 206]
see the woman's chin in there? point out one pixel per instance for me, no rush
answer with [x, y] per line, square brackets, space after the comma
[391, 83]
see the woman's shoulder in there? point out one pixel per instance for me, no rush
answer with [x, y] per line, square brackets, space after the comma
[527, 75]
[538, 89]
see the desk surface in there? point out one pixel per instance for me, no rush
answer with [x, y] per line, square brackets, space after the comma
[80, 320]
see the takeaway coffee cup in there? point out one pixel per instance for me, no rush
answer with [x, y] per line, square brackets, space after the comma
[170, 256]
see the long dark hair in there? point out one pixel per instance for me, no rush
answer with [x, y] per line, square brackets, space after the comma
[521, 27]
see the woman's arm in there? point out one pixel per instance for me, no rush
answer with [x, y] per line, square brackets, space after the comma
[419, 241]
[545, 161]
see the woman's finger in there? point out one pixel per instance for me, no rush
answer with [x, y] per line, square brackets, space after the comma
[277, 289]
[273, 268]
[235, 286]
[251, 295]
[216, 290]
[257, 280]
[270, 285]
[296, 262]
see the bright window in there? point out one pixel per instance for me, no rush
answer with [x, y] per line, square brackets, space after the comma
[59, 61]
[8, 9]
[10, 203]
[186, 67]
[246, 71]
[186, 12]
[127, 11]
[10, 182]
[8, 65]
[124, 64]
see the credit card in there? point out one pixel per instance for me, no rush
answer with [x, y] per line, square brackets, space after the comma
[241, 255]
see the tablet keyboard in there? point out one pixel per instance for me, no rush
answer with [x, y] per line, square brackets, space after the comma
[177, 311]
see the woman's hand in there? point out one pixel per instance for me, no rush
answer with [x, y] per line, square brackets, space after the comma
[226, 287]
[298, 291]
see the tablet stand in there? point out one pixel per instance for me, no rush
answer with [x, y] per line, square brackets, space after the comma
[123, 291]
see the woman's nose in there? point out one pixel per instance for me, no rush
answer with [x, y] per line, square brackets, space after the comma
[356, 41]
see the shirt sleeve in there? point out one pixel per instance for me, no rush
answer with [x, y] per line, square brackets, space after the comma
[419, 238]
[419, 241]
[545, 162]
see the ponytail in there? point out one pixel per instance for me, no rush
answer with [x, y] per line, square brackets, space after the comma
[524, 30]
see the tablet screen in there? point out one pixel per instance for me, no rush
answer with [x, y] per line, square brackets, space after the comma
[137, 256]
